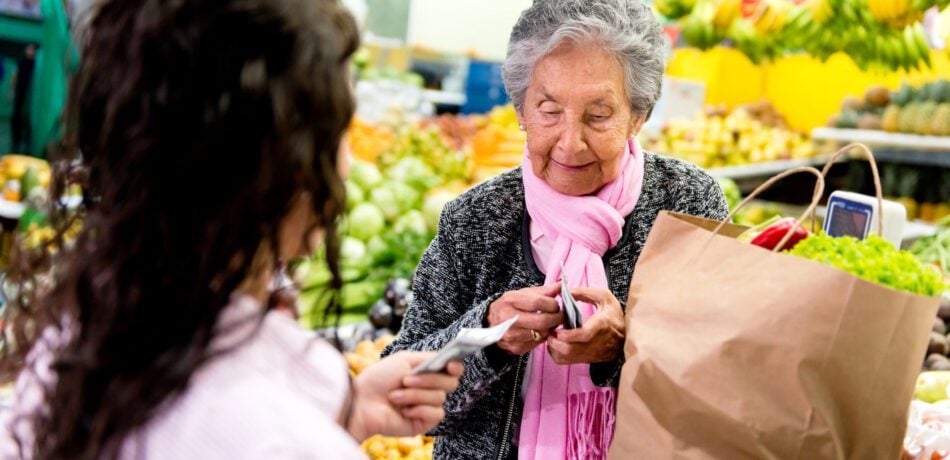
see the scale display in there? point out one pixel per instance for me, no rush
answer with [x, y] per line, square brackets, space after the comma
[848, 218]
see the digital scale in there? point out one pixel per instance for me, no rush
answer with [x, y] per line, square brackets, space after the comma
[857, 215]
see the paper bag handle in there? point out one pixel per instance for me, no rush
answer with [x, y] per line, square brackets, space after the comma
[816, 196]
[877, 178]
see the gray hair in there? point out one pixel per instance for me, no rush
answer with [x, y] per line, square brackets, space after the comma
[625, 28]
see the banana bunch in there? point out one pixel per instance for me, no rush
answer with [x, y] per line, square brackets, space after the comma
[756, 46]
[763, 35]
[898, 14]
[883, 35]
[905, 50]
[801, 24]
[726, 12]
[674, 9]
[820, 10]
[709, 22]
[824, 27]
[698, 28]
[746, 41]
[770, 16]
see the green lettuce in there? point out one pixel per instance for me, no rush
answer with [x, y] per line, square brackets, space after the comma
[874, 260]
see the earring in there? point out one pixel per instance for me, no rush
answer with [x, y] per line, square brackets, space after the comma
[521, 127]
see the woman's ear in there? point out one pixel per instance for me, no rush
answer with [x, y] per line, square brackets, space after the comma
[636, 123]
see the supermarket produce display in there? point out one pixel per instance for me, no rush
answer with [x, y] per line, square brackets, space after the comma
[877, 34]
[752, 133]
[402, 174]
[935, 249]
[923, 110]
[20, 175]
[406, 162]
[908, 130]
[392, 214]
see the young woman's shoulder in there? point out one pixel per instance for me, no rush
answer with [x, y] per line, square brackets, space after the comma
[278, 394]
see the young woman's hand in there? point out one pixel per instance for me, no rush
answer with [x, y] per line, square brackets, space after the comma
[389, 400]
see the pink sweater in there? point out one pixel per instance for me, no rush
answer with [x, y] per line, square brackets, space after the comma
[278, 395]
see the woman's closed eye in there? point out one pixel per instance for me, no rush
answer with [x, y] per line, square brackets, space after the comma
[550, 109]
[598, 119]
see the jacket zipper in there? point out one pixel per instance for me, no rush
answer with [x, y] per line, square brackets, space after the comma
[505, 438]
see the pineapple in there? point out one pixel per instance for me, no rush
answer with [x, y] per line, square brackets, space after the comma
[941, 120]
[924, 119]
[908, 117]
[891, 117]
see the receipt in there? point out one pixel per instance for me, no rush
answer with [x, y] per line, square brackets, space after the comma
[465, 343]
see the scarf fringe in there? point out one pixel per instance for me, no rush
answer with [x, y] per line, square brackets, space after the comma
[592, 429]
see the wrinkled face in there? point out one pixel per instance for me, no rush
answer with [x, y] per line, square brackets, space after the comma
[577, 118]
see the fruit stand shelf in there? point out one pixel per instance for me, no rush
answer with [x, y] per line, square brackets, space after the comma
[913, 157]
[883, 139]
[890, 147]
[763, 169]
[894, 147]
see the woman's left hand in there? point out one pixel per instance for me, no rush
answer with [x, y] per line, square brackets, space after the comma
[600, 338]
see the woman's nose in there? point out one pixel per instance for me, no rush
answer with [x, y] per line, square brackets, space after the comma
[572, 136]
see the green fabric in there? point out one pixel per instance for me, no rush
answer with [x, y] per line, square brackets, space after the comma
[55, 56]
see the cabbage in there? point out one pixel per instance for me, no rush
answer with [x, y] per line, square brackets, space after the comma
[366, 175]
[385, 199]
[352, 250]
[412, 221]
[354, 195]
[432, 207]
[407, 198]
[377, 247]
[365, 220]
[415, 172]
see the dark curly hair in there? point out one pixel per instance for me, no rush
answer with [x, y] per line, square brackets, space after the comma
[193, 126]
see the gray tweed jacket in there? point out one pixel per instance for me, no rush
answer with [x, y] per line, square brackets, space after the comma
[481, 251]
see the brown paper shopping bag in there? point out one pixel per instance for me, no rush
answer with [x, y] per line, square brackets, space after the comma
[736, 352]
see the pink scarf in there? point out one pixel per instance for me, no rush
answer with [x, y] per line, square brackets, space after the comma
[565, 414]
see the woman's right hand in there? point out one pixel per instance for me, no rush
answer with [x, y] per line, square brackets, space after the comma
[392, 401]
[537, 311]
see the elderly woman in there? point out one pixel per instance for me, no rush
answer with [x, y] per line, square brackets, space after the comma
[584, 76]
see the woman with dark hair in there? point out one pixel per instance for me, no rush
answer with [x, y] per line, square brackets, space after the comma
[205, 135]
